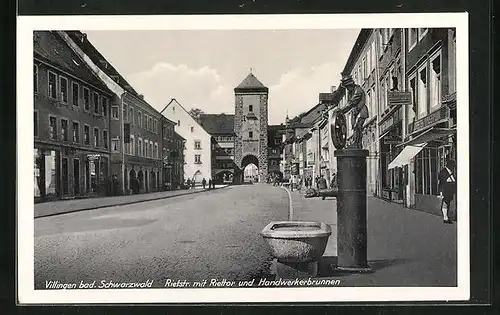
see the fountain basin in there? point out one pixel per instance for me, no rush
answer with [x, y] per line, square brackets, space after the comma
[297, 241]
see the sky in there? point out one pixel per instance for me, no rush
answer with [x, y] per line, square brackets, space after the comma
[201, 68]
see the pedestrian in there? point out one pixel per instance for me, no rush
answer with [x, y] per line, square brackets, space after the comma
[322, 185]
[188, 183]
[213, 184]
[447, 188]
[204, 182]
[333, 183]
[316, 181]
[209, 183]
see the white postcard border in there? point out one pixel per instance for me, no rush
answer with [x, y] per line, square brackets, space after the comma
[25, 208]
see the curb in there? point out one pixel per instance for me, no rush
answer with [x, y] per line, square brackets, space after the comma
[125, 203]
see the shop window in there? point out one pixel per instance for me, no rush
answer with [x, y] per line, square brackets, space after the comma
[75, 92]
[96, 103]
[86, 99]
[86, 134]
[63, 85]
[64, 129]
[426, 172]
[53, 128]
[76, 132]
[435, 82]
[35, 78]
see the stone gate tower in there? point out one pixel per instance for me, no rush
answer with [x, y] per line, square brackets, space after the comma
[250, 127]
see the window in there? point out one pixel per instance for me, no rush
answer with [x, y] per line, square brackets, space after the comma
[64, 129]
[114, 112]
[192, 129]
[250, 134]
[96, 103]
[197, 159]
[365, 70]
[150, 149]
[435, 81]
[369, 60]
[104, 103]
[422, 92]
[131, 115]
[63, 85]
[86, 134]
[52, 85]
[413, 89]
[75, 92]
[150, 123]
[422, 32]
[139, 119]
[155, 152]
[139, 147]
[145, 122]
[35, 78]
[115, 145]
[86, 98]
[250, 108]
[76, 132]
[125, 112]
[145, 148]
[53, 127]
[105, 138]
[96, 137]
[132, 145]
[35, 123]
[179, 123]
[373, 56]
[197, 144]
[452, 53]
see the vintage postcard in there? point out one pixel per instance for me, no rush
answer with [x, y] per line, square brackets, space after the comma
[252, 158]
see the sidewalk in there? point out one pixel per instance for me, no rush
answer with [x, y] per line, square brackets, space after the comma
[66, 206]
[405, 247]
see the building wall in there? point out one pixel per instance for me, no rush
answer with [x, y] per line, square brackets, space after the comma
[77, 181]
[223, 166]
[190, 130]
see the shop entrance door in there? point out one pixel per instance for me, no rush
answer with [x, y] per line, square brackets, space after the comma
[76, 176]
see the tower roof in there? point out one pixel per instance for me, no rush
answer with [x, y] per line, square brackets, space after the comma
[251, 84]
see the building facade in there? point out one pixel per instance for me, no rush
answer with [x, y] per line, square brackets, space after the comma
[198, 142]
[221, 129]
[173, 155]
[136, 162]
[71, 123]
[250, 127]
[431, 120]
[275, 150]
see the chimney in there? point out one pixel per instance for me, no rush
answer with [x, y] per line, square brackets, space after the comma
[141, 96]
[333, 88]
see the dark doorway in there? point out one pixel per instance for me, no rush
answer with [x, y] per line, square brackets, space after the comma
[140, 177]
[146, 184]
[76, 176]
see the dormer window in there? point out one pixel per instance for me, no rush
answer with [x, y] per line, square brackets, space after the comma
[192, 129]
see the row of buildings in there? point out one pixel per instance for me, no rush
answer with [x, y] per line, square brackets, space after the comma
[409, 76]
[95, 135]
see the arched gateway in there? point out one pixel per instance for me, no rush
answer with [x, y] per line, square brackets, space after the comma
[250, 127]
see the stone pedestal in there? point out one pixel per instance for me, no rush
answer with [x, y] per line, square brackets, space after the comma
[351, 210]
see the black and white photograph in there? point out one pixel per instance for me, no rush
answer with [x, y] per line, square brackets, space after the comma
[197, 159]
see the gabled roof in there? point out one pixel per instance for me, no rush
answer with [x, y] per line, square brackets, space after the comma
[175, 102]
[217, 123]
[251, 83]
[97, 58]
[49, 47]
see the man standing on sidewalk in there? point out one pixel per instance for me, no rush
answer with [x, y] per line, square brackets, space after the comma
[322, 185]
[447, 188]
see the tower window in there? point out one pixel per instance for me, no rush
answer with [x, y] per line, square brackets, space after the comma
[250, 134]
[250, 108]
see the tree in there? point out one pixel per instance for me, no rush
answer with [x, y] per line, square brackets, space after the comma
[196, 113]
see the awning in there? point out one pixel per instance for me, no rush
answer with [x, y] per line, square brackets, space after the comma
[406, 155]
[430, 135]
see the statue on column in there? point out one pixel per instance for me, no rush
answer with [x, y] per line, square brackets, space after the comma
[356, 102]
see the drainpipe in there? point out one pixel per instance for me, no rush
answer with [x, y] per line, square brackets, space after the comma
[122, 142]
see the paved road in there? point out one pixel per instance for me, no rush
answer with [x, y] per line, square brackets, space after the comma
[214, 234]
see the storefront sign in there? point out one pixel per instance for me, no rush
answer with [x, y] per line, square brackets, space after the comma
[433, 118]
[93, 156]
[398, 98]
[391, 121]
[295, 169]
